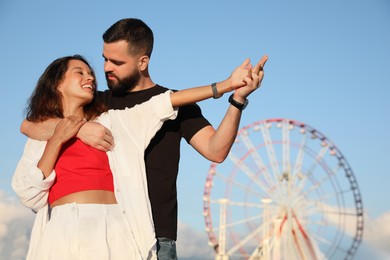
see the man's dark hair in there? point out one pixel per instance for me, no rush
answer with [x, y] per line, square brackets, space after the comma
[135, 32]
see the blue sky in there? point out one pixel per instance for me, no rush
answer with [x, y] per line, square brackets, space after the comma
[328, 67]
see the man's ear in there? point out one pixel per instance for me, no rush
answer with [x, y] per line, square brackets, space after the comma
[143, 63]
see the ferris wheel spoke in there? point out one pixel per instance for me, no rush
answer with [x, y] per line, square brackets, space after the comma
[327, 178]
[245, 240]
[311, 210]
[257, 159]
[245, 169]
[325, 198]
[286, 149]
[322, 182]
[331, 210]
[270, 151]
[312, 168]
[335, 172]
[241, 221]
[316, 185]
[239, 185]
[299, 160]
[321, 240]
[329, 196]
[257, 217]
[241, 204]
[308, 208]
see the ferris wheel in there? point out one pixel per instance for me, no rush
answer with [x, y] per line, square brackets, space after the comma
[285, 192]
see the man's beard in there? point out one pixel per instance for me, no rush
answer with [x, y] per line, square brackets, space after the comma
[123, 85]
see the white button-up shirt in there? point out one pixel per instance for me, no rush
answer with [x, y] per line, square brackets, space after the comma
[132, 129]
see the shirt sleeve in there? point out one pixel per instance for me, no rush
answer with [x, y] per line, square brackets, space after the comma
[191, 121]
[144, 120]
[27, 181]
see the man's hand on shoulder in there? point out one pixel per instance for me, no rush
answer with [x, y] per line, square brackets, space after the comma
[97, 136]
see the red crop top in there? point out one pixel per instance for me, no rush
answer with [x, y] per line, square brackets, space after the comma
[80, 167]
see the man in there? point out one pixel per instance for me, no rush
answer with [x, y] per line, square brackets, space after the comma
[127, 49]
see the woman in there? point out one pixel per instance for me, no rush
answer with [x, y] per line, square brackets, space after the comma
[98, 201]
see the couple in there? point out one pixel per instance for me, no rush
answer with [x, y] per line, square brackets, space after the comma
[100, 198]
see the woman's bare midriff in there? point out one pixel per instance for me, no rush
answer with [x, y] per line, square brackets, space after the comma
[87, 197]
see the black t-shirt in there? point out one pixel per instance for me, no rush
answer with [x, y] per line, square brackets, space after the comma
[162, 155]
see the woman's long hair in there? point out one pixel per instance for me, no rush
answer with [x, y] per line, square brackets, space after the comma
[46, 101]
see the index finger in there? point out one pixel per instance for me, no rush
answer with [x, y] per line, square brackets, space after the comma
[250, 73]
[260, 65]
[109, 138]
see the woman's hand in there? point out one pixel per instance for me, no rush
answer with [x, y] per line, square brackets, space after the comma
[239, 76]
[252, 81]
[67, 128]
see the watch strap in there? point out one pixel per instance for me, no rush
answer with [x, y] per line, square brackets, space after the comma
[216, 94]
[240, 106]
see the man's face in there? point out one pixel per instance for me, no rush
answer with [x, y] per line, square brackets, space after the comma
[120, 68]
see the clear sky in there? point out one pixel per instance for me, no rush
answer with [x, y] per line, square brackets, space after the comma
[328, 67]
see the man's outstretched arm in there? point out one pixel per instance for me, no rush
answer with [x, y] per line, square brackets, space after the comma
[215, 145]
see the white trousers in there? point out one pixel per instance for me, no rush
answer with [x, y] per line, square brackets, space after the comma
[87, 231]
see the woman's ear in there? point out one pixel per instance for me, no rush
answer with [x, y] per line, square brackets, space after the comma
[143, 63]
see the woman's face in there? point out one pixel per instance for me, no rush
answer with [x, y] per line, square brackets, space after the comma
[78, 84]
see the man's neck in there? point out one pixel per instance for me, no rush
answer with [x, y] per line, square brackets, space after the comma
[144, 83]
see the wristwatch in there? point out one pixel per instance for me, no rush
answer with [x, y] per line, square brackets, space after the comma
[240, 106]
[216, 94]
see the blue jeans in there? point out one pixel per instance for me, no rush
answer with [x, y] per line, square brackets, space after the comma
[166, 249]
